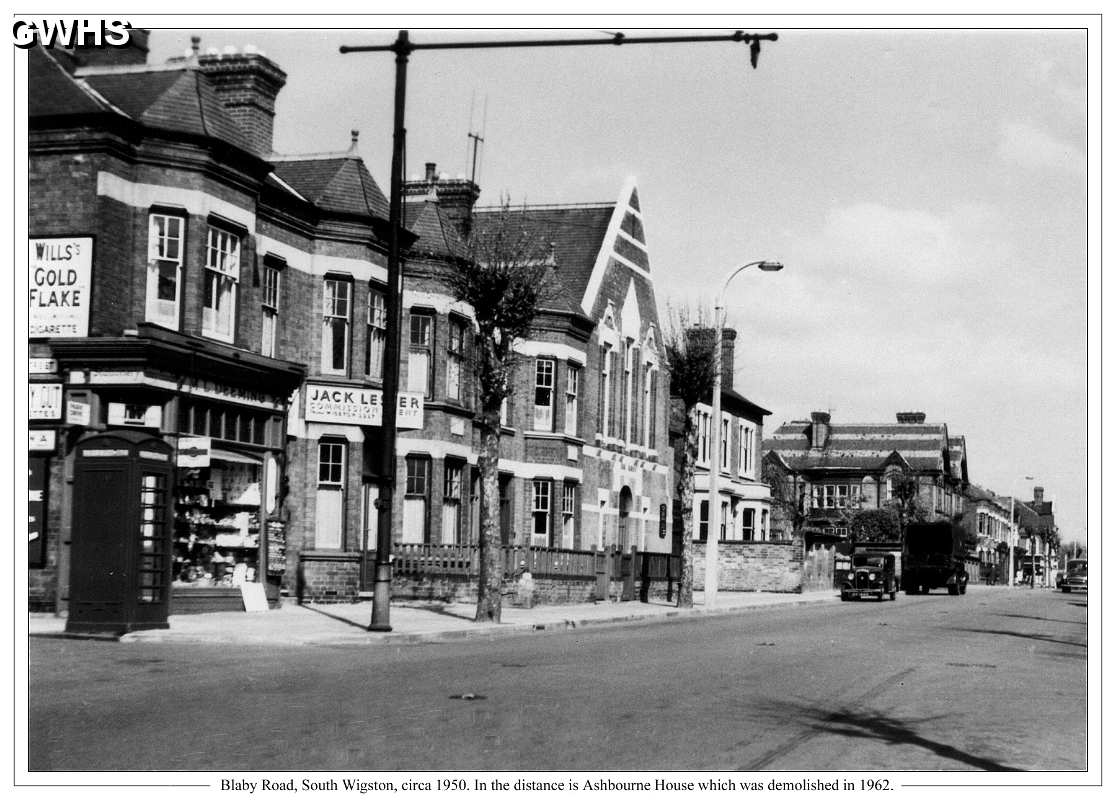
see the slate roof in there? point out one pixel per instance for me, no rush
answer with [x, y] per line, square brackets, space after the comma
[861, 446]
[437, 236]
[336, 182]
[52, 91]
[177, 98]
[578, 233]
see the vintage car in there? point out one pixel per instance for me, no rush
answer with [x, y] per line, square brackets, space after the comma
[1076, 579]
[871, 574]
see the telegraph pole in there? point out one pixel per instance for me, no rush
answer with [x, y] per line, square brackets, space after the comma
[403, 47]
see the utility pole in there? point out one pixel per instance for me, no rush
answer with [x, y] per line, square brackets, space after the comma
[403, 47]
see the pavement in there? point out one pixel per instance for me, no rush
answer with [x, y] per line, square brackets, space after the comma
[415, 622]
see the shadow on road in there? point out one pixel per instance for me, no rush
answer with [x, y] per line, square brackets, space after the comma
[1044, 619]
[1040, 637]
[868, 725]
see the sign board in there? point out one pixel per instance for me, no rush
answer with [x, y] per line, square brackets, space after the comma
[351, 405]
[36, 510]
[44, 401]
[42, 366]
[41, 440]
[194, 451]
[77, 411]
[255, 599]
[58, 279]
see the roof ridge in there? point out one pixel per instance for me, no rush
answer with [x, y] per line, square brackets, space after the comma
[347, 155]
[548, 206]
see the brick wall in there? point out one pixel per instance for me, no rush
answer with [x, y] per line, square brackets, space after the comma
[753, 566]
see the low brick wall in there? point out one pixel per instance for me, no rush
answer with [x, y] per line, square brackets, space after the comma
[753, 566]
[335, 578]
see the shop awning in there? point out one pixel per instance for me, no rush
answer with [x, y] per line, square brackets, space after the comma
[229, 456]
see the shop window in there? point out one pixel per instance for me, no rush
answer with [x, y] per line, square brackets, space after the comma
[573, 385]
[544, 395]
[377, 334]
[165, 242]
[451, 502]
[270, 311]
[416, 500]
[336, 304]
[222, 274]
[455, 360]
[540, 513]
[569, 514]
[419, 362]
[330, 522]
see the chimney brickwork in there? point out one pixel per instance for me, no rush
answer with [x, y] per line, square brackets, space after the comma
[456, 196]
[247, 84]
[910, 417]
[819, 429]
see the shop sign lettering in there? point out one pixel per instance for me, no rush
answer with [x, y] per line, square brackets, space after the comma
[355, 406]
[41, 440]
[41, 366]
[44, 401]
[58, 275]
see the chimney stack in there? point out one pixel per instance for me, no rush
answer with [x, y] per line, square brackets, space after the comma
[247, 84]
[910, 417]
[819, 429]
[1038, 494]
[728, 356]
[456, 196]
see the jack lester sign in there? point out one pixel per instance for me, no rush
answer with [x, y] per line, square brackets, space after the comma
[354, 406]
[58, 273]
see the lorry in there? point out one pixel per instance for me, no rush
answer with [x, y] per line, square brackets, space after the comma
[934, 557]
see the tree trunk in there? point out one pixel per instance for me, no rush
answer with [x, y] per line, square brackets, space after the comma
[491, 555]
[686, 504]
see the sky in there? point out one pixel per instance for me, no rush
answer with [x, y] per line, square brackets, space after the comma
[925, 188]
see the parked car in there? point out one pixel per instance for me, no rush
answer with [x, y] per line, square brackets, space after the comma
[1071, 565]
[872, 574]
[1076, 579]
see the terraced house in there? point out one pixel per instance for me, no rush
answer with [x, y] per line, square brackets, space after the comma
[226, 319]
[829, 471]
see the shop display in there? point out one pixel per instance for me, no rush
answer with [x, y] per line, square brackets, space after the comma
[217, 525]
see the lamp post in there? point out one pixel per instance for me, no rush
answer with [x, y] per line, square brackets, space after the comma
[715, 456]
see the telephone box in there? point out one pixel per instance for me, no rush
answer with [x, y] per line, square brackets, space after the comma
[120, 553]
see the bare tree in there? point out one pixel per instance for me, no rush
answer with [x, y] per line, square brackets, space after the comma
[690, 356]
[506, 277]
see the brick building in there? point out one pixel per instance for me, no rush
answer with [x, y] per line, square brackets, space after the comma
[828, 471]
[232, 303]
[745, 498]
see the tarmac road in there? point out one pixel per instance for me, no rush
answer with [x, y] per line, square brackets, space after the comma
[923, 683]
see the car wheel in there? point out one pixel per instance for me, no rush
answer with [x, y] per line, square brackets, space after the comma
[1066, 590]
[892, 594]
[953, 589]
[844, 596]
[963, 587]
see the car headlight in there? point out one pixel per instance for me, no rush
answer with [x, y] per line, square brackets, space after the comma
[871, 576]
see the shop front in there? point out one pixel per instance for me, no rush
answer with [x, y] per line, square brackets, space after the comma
[223, 414]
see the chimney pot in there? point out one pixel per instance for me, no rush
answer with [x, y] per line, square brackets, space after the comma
[431, 171]
[1038, 494]
[195, 44]
[910, 417]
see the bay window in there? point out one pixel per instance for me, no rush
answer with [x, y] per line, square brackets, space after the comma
[165, 241]
[222, 274]
[377, 334]
[336, 305]
[544, 395]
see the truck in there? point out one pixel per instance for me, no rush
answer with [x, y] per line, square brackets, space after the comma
[934, 557]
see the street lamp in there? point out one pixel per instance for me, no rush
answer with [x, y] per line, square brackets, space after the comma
[715, 462]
